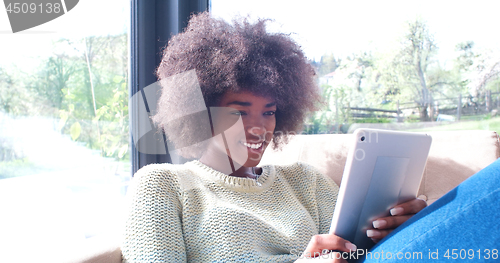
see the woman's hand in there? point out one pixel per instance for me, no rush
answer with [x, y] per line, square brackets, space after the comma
[318, 249]
[399, 214]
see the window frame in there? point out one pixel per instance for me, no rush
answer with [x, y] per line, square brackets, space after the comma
[152, 25]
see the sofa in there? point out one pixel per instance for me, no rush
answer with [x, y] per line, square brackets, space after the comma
[454, 156]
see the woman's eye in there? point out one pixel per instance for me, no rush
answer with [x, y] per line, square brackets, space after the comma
[270, 113]
[238, 113]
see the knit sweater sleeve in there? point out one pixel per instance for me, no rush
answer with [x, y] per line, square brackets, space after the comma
[326, 196]
[317, 192]
[153, 231]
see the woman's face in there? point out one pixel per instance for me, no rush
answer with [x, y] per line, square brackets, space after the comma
[246, 140]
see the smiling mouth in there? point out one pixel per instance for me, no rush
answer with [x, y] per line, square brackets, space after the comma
[252, 145]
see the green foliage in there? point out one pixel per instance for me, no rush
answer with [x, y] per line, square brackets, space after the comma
[328, 64]
[334, 116]
[11, 168]
[414, 63]
[106, 127]
[492, 124]
[113, 120]
[318, 121]
[75, 130]
[16, 96]
[356, 83]
[372, 120]
[79, 74]
[409, 73]
[466, 56]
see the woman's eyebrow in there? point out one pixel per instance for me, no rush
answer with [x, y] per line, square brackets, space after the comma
[271, 104]
[240, 103]
[245, 103]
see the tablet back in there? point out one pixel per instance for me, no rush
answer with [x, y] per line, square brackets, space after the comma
[383, 168]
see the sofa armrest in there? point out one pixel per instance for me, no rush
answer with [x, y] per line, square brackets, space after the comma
[454, 157]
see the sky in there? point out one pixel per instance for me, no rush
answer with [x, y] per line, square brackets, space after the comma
[319, 26]
[345, 27]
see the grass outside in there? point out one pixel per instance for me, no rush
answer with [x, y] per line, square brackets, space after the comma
[19, 167]
[486, 124]
[22, 167]
[473, 122]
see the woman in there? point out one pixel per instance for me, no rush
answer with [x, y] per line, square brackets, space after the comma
[256, 88]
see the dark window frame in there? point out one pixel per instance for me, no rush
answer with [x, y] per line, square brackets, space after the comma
[152, 24]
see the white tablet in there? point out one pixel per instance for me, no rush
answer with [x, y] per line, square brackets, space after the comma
[383, 168]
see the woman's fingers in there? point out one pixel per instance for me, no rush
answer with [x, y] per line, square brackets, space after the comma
[322, 244]
[377, 234]
[390, 222]
[399, 214]
[408, 208]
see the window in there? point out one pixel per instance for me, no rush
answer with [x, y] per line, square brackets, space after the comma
[391, 64]
[64, 128]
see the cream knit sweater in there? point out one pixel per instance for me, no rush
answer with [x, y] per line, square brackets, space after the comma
[193, 213]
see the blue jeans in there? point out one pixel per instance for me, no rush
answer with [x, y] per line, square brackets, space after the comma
[463, 225]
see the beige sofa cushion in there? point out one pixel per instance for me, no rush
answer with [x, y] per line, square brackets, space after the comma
[100, 249]
[454, 156]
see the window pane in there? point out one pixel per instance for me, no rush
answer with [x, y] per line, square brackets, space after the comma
[64, 128]
[391, 64]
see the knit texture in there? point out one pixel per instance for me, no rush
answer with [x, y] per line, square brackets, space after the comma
[193, 213]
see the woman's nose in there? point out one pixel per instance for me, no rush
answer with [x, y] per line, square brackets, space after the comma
[256, 131]
[256, 127]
